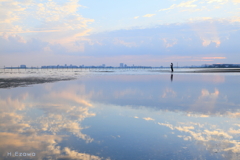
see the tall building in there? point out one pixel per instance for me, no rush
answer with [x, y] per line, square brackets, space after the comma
[121, 64]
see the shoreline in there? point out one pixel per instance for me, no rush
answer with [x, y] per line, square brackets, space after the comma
[197, 70]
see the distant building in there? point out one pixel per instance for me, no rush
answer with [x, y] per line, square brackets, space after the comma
[23, 66]
[121, 65]
[223, 66]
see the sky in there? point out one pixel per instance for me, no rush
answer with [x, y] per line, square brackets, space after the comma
[110, 32]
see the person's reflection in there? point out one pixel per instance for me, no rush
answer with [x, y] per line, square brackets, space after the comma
[171, 77]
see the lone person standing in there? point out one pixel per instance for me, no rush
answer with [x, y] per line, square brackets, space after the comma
[171, 66]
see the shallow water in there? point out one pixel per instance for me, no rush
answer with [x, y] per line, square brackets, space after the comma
[122, 115]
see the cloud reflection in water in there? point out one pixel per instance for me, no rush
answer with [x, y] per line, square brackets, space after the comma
[39, 124]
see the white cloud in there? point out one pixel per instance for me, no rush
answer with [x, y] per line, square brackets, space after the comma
[207, 31]
[214, 139]
[236, 1]
[127, 44]
[10, 11]
[41, 145]
[188, 4]
[197, 115]
[72, 154]
[148, 119]
[171, 7]
[11, 104]
[167, 125]
[168, 92]
[50, 21]
[63, 112]
[217, 1]
[169, 42]
[126, 92]
[194, 9]
[149, 15]
[206, 99]
[195, 38]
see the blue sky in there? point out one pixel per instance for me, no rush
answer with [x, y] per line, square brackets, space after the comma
[145, 32]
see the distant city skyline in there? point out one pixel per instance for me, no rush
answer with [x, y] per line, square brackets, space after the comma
[121, 65]
[146, 33]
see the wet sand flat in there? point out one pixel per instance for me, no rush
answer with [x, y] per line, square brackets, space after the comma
[198, 70]
[217, 70]
[26, 81]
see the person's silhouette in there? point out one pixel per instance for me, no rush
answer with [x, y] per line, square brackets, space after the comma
[171, 77]
[172, 67]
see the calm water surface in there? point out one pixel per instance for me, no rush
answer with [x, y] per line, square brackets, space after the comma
[123, 117]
